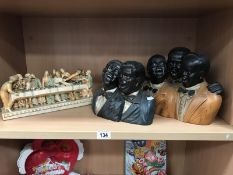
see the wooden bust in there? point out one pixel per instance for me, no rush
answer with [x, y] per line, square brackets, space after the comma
[164, 93]
[196, 104]
[186, 96]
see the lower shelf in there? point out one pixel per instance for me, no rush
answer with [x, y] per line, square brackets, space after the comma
[81, 123]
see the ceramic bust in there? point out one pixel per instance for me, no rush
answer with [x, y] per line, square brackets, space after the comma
[121, 98]
[175, 58]
[195, 103]
[163, 92]
[108, 101]
[139, 107]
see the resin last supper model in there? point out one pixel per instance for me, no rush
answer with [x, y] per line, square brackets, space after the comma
[28, 95]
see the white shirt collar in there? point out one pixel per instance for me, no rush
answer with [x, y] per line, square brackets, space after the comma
[134, 93]
[111, 90]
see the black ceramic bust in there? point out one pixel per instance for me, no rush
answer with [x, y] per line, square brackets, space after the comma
[108, 101]
[121, 98]
[139, 108]
[174, 61]
[195, 103]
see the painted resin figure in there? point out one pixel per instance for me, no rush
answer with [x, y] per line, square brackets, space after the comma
[108, 101]
[122, 97]
[195, 103]
[139, 108]
[27, 95]
[164, 94]
[5, 92]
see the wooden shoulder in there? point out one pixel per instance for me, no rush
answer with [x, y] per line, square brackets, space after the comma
[214, 99]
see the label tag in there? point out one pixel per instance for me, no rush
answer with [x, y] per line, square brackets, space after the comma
[104, 135]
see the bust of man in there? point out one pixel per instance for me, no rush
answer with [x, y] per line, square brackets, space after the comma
[195, 104]
[139, 107]
[108, 101]
[164, 94]
[174, 61]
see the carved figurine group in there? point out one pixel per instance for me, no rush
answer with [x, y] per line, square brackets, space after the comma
[183, 92]
[176, 89]
[21, 96]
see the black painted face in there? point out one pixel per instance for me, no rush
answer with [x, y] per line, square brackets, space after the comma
[129, 82]
[110, 74]
[174, 67]
[157, 70]
[175, 58]
[192, 73]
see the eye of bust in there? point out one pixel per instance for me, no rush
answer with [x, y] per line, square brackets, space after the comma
[161, 64]
[109, 69]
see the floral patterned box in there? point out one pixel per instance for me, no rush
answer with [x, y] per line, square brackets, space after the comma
[145, 157]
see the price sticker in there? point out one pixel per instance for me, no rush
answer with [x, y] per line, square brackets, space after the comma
[104, 135]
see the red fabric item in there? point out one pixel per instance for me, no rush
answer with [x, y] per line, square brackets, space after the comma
[52, 157]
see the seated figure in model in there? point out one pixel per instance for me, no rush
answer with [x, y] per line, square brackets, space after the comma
[108, 101]
[164, 94]
[175, 58]
[138, 108]
[195, 103]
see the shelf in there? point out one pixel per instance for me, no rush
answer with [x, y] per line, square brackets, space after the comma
[81, 123]
[113, 8]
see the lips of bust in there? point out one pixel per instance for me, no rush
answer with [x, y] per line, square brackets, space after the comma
[124, 87]
[159, 74]
[174, 73]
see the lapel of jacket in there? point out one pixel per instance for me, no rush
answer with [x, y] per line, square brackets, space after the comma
[196, 102]
[136, 102]
[105, 107]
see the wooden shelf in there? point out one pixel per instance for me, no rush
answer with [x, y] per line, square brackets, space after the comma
[113, 8]
[81, 123]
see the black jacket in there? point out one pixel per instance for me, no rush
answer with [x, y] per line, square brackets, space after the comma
[113, 107]
[141, 111]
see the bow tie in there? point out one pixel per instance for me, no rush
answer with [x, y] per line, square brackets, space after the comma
[185, 91]
[129, 98]
[153, 89]
[150, 89]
